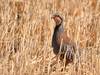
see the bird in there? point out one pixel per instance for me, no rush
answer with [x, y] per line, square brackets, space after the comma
[63, 46]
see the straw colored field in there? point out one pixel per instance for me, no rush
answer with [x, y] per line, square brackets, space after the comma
[26, 31]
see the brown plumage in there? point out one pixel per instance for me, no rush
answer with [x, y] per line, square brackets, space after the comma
[61, 43]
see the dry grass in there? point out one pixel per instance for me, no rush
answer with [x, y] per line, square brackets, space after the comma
[26, 32]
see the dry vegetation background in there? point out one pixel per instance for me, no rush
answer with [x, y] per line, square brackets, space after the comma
[26, 31]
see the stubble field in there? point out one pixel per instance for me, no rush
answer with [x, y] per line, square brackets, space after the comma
[26, 30]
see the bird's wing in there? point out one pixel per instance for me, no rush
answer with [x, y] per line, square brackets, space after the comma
[63, 38]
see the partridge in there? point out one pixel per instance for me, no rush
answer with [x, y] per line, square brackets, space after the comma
[62, 45]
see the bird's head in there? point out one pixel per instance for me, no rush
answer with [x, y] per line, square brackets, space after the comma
[57, 19]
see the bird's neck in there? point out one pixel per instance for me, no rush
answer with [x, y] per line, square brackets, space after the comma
[58, 29]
